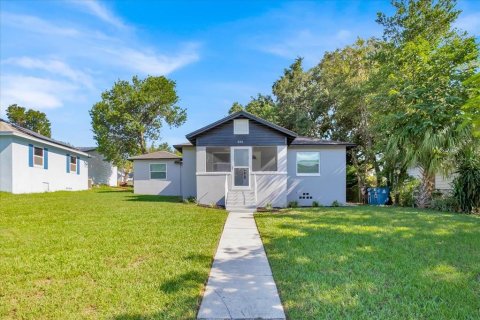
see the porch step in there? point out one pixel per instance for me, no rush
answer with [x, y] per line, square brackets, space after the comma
[241, 201]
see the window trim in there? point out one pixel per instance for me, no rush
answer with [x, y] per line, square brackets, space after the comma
[276, 159]
[76, 164]
[235, 129]
[42, 157]
[150, 171]
[307, 174]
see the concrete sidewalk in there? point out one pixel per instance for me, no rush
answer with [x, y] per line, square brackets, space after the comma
[241, 285]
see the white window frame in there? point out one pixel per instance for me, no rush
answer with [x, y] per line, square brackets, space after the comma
[76, 164]
[307, 174]
[150, 171]
[42, 157]
[241, 126]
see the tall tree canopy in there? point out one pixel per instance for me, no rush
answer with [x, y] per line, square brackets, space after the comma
[424, 64]
[133, 112]
[30, 119]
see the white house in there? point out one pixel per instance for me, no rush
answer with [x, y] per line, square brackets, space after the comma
[442, 182]
[245, 162]
[100, 171]
[31, 162]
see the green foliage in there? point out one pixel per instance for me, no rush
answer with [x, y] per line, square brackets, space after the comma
[315, 204]
[190, 200]
[336, 204]
[471, 109]
[423, 65]
[404, 194]
[269, 206]
[236, 107]
[133, 112]
[466, 185]
[30, 119]
[263, 107]
[445, 203]
[293, 204]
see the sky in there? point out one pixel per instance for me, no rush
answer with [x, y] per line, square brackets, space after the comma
[59, 56]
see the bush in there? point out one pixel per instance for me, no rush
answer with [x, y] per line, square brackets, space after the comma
[315, 204]
[336, 204]
[445, 203]
[269, 206]
[466, 186]
[293, 204]
[405, 194]
[190, 199]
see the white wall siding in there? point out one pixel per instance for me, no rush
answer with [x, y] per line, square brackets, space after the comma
[27, 179]
[329, 186]
[189, 177]
[442, 182]
[5, 163]
[142, 183]
[211, 188]
[101, 171]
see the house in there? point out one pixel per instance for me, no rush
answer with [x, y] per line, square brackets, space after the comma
[100, 171]
[31, 162]
[442, 182]
[245, 162]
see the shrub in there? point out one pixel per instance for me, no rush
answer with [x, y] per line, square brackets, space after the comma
[466, 185]
[293, 204]
[190, 199]
[405, 194]
[269, 206]
[445, 203]
[336, 204]
[315, 204]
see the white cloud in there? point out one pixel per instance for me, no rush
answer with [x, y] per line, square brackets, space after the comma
[35, 92]
[35, 24]
[469, 22]
[101, 12]
[54, 66]
[149, 62]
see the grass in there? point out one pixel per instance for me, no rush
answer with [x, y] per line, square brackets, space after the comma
[105, 254]
[374, 263]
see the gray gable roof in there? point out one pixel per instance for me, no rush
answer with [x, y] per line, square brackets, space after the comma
[8, 126]
[307, 141]
[156, 155]
[240, 114]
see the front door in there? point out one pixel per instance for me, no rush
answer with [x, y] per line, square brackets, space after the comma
[241, 167]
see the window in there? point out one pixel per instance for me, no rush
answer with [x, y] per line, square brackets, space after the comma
[264, 158]
[158, 171]
[73, 164]
[240, 126]
[38, 157]
[308, 163]
[218, 159]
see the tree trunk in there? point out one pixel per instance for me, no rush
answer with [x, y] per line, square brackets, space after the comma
[426, 189]
[143, 144]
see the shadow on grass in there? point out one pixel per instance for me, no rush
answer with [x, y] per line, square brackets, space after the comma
[380, 262]
[154, 198]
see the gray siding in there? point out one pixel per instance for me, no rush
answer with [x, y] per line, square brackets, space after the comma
[189, 177]
[142, 184]
[329, 186]
[259, 135]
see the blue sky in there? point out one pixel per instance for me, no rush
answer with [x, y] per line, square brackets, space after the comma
[58, 56]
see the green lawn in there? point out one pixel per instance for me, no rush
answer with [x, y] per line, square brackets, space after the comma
[103, 254]
[374, 263]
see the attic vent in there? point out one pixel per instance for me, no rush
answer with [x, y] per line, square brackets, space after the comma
[240, 126]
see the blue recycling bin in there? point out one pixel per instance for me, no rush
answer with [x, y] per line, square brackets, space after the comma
[378, 196]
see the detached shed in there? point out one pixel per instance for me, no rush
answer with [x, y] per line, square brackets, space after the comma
[157, 173]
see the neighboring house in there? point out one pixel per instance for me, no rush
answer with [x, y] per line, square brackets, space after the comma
[157, 173]
[243, 161]
[31, 162]
[443, 183]
[100, 171]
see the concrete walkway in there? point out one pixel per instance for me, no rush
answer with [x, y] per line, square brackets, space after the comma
[241, 285]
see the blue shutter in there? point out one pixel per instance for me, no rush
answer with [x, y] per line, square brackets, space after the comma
[68, 163]
[78, 165]
[30, 155]
[45, 158]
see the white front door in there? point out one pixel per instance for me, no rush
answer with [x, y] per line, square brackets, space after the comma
[241, 167]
